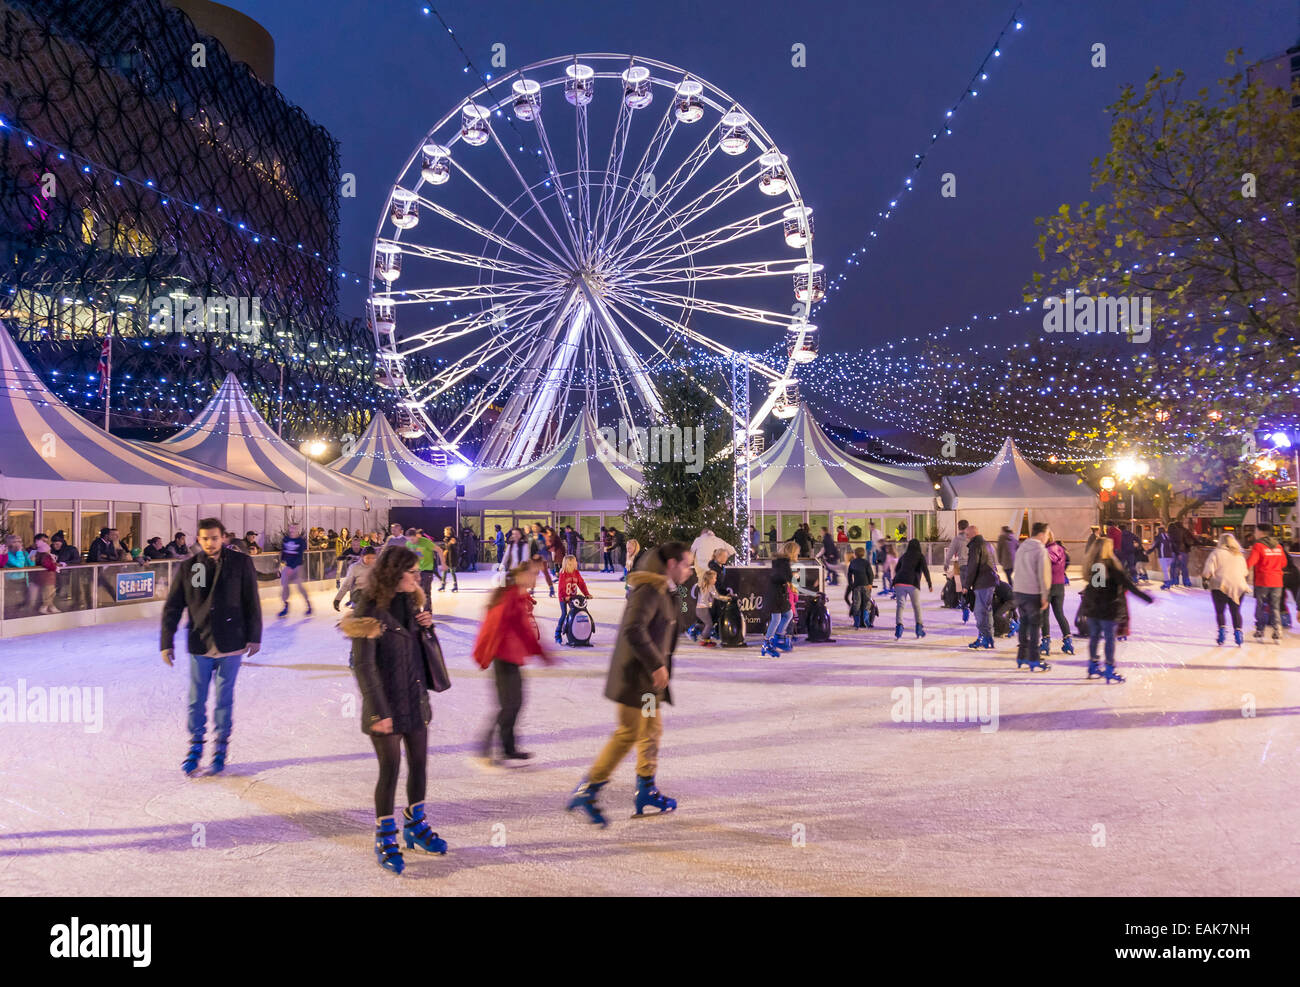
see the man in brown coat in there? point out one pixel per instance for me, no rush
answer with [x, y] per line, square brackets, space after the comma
[639, 671]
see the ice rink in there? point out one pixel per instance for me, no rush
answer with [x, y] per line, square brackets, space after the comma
[794, 776]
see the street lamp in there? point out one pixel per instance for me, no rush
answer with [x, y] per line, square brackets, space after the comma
[1128, 471]
[311, 449]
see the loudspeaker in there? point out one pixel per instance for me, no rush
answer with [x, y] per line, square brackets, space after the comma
[460, 490]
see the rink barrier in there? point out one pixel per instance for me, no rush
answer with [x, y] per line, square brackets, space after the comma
[84, 594]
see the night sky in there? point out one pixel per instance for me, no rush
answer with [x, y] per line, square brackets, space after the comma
[878, 80]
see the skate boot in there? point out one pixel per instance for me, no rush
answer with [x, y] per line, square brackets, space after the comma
[1094, 669]
[308, 609]
[218, 759]
[1112, 675]
[1223, 635]
[898, 631]
[785, 642]
[693, 632]
[977, 643]
[768, 650]
[191, 762]
[584, 798]
[284, 612]
[965, 613]
[386, 850]
[1014, 628]
[1035, 664]
[557, 637]
[1044, 647]
[416, 831]
[647, 794]
[1237, 636]
[1277, 636]
[920, 631]
[1067, 646]
[1259, 634]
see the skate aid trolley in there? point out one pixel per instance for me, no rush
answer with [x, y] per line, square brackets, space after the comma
[749, 584]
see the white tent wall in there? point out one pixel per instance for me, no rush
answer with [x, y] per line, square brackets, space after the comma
[1069, 524]
[156, 519]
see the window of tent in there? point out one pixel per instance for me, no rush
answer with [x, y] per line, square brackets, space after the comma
[126, 518]
[56, 515]
[94, 515]
[789, 525]
[562, 519]
[590, 527]
[925, 525]
[20, 520]
[818, 520]
[492, 518]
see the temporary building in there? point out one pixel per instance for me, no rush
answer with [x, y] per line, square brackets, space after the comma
[381, 458]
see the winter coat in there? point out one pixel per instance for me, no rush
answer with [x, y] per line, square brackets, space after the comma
[101, 551]
[647, 636]
[388, 662]
[231, 610]
[1180, 537]
[860, 573]
[830, 554]
[778, 593]
[1267, 558]
[68, 555]
[1163, 546]
[1132, 547]
[49, 567]
[978, 573]
[508, 632]
[571, 583]
[1226, 572]
[1033, 572]
[1106, 602]
[911, 569]
[1007, 546]
[956, 550]
[1059, 558]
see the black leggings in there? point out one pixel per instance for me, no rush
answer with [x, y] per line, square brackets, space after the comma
[1055, 596]
[1222, 600]
[389, 751]
[510, 694]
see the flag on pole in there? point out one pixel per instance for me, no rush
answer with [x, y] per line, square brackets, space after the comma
[105, 355]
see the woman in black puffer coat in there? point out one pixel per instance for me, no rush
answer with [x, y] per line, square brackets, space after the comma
[778, 602]
[388, 661]
[1104, 605]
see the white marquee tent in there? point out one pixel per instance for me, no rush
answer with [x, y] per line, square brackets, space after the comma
[380, 457]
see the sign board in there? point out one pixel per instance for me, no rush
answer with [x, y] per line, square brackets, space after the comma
[1211, 508]
[133, 586]
[750, 585]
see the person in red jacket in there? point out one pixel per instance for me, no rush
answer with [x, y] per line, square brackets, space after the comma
[506, 639]
[1266, 561]
[43, 581]
[571, 584]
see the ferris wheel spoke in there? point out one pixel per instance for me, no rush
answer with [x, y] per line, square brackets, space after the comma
[556, 249]
[613, 163]
[655, 233]
[490, 235]
[476, 261]
[584, 182]
[728, 309]
[651, 156]
[466, 292]
[528, 189]
[711, 239]
[561, 194]
[523, 306]
[626, 356]
[717, 272]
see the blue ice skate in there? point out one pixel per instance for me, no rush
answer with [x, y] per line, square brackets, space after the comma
[898, 631]
[1067, 646]
[191, 762]
[920, 630]
[1111, 675]
[386, 850]
[649, 796]
[416, 831]
[584, 798]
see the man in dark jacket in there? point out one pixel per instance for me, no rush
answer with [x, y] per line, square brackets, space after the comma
[1182, 540]
[177, 547]
[154, 550]
[860, 579]
[639, 672]
[105, 548]
[980, 575]
[218, 586]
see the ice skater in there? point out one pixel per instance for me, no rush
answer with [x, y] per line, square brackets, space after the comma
[705, 603]
[1103, 604]
[1225, 570]
[780, 607]
[1267, 560]
[388, 662]
[981, 576]
[571, 582]
[1032, 586]
[858, 593]
[218, 588]
[908, 573]
[506, 639]
[293, 552]
[1059, 559]
[639, 674]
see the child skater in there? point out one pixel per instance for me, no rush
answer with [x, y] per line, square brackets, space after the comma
[571, 583]
[506, 638]
[704, 603]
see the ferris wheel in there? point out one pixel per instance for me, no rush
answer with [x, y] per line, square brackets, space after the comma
[562, 232]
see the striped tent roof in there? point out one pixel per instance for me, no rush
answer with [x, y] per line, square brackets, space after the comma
[49, 451]
[584, 471]
[382, 458]
[805, 470]
[1010, 479]
[230, 435]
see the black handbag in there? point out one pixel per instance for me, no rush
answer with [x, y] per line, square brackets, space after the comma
[435, 669]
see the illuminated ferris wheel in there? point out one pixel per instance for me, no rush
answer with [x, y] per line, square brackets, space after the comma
[558, 235]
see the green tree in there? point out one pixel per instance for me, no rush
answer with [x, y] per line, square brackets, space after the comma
[676, 502]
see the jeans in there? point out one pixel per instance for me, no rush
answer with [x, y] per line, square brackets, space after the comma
[1270, 597]
[292, 575]
[202, 672]
[778, 622]
[609, 562]
[501, 553]
[448, 570]
[902, 593]
[1032, 615]
[1167, 567]
[1056, 598]
[984, 612]
[426, 584]
[1096, 628]
[564, 614]
[861, 605]
[510, 694]
[1180, 566]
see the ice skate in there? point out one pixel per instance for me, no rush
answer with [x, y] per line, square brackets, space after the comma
[1035, 664]
[898, 631]
[218, 760]
[191, 762]
[518, 756]
[1044, 647]
[284, 612]
[386, 849]
[1112, 675]
[649, 796]
[1238, 637]
[584, 798]
[768, 650]
[1094, 669]
[417, 833]
[1067, 645]
[1223, 635]
[920, 630]
[965, 614]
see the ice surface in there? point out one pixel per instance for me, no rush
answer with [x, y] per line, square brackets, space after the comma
[792, 776]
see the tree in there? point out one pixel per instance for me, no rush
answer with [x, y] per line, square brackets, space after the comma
[676, 502]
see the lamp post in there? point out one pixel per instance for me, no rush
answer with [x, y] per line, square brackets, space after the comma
[1129, 470]
[311, 449]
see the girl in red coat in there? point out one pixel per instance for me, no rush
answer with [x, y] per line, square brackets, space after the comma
[570, 585]
[506, 639]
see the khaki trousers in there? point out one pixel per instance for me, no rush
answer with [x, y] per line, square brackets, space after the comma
[634, 727]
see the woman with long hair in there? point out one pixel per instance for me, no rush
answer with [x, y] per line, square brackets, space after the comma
[1059, 558]
[571, 582]
[908, 573]
[1103, 603]
[1225, 570]
[506, 639]
[388, 662]
[779, 605]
